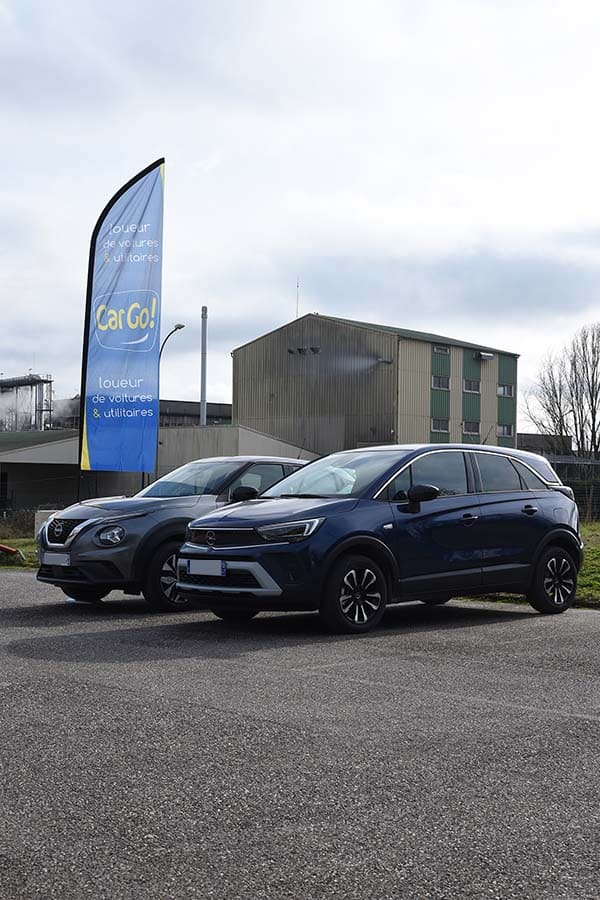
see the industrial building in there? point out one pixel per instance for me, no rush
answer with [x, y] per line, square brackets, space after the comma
[173, 413]
[326, 384]
[25, 402]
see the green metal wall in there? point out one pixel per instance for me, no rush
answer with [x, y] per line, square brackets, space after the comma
[507, 406]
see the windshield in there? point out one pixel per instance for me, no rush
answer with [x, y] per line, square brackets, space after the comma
[193, 479]
[338, 475]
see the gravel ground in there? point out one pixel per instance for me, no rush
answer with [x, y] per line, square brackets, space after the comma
[452, 753]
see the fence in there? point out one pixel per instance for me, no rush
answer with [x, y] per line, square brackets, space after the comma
[17, 523]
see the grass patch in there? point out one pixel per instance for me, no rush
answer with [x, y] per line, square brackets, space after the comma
[28, 548]
[588, 584]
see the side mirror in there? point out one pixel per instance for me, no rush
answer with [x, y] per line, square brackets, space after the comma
[420, 493]
[243, 492]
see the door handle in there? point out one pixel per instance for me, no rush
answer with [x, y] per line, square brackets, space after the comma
[469, 519]
[529, 510]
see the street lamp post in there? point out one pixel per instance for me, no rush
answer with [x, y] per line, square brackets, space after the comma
[175, 328]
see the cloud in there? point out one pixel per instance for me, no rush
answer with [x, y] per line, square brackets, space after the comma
[428, 165]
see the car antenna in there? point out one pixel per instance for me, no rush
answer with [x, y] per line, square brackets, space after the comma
[484, 441]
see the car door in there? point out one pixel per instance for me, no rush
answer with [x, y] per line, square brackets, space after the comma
[514, 519]
[437, 547]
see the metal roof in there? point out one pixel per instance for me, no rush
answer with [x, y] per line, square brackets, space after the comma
[388, 329]
[18, 440]
[418, 335]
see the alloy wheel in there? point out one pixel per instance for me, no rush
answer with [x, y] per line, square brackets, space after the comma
[168, 579]
[559, 583]
[360, 596]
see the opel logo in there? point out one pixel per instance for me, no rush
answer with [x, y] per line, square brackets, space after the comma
[58, 529]
[211, 538]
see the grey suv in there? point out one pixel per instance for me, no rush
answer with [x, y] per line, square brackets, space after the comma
[130, 543]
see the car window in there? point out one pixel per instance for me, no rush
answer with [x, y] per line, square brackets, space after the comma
[497, 473]
[544, 468]
[260, 476]
[532, 482]
[193, 479]
[397, 490]
[343, 474]
[446, 470]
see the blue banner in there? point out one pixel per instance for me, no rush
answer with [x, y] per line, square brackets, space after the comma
[120, 391]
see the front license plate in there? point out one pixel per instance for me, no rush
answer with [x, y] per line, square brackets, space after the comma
[206, 567]
[56, 559]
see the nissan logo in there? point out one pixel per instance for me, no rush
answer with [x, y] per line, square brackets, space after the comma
[211, 538]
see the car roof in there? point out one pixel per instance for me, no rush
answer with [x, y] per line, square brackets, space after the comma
[413, 448]
[243, 459]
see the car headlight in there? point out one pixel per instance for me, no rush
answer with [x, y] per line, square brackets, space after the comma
[289, 532]
[112, 536]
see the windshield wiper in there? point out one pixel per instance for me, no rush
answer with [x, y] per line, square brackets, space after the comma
[308, 496]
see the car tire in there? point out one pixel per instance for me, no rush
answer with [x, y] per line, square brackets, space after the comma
[234, 616]
[355, 595]
[85, 594]
[434, 601]
[158, 586]
[554, 582]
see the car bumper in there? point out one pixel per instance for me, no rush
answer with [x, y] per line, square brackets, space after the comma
[275, 579]
[87, 565]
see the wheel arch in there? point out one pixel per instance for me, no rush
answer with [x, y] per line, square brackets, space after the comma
[173, 530]
[566, 540]
[365, 545]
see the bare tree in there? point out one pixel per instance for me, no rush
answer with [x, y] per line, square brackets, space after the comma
[566, 398]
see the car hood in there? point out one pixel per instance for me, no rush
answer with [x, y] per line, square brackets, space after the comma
[272, 510]
[104, 507]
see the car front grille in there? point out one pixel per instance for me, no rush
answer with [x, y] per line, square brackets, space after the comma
[230, 580]
[60, 529]
[224, 537]
[63, 573]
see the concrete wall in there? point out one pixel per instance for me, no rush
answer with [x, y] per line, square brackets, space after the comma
[36, 483]
[180, 445]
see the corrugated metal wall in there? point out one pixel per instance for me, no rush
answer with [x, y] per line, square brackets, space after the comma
[330, 393]
[414, 391]
[456, 410]
[489, 400]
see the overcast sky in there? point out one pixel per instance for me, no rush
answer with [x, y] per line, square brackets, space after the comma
[434, 165]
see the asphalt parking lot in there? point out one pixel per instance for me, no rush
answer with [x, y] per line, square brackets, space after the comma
[454, 752]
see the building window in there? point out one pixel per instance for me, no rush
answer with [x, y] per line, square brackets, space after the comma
[505, 431]
[506, 390]
[441, 425]
[470, 427]
[471, 386]
[438, 348]
[442, 382]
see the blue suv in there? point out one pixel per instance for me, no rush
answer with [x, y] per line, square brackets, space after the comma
[357, 530]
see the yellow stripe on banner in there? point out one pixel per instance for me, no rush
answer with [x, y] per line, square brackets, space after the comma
[85, 456]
